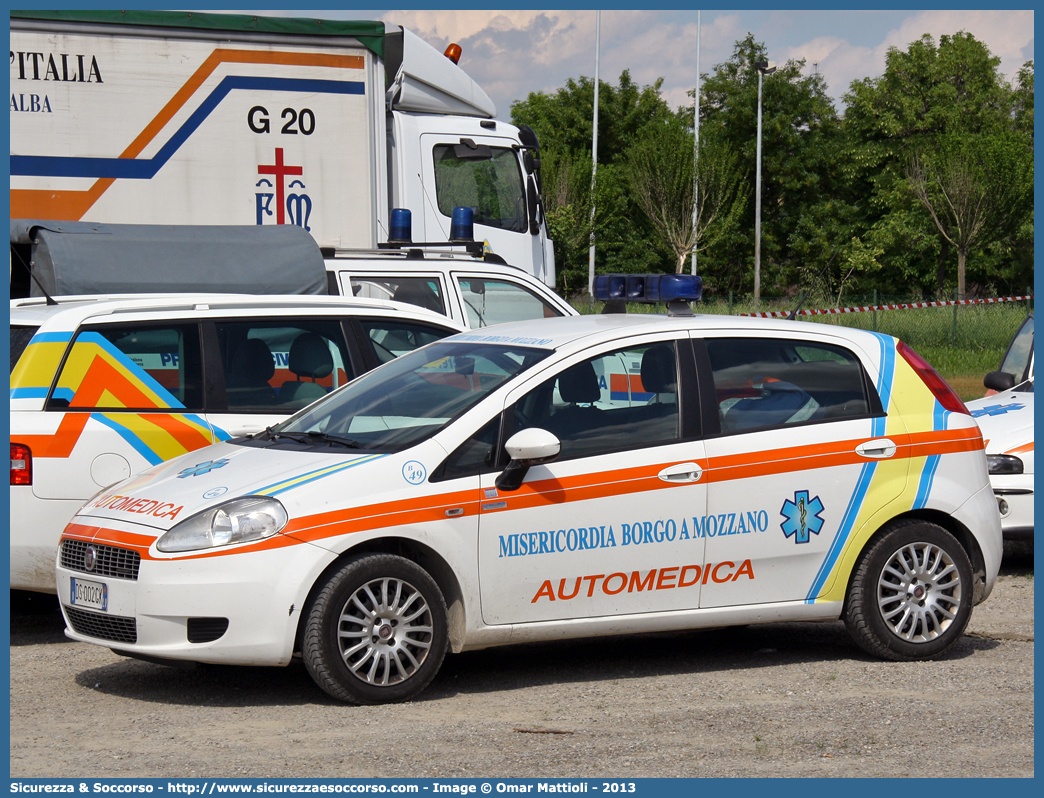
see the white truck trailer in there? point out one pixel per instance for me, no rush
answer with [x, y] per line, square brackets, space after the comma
[144, 117]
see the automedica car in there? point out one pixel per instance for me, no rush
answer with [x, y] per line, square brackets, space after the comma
[1005, 417]
[569, 477]
[105, 386]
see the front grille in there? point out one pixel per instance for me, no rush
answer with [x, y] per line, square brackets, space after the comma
[206, 630]
[108, 560]
[104, 627]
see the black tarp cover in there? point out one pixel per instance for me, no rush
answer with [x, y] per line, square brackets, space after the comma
[84, 258]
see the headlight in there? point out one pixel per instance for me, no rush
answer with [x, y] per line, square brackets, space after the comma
[1003, 464]
[237, 521]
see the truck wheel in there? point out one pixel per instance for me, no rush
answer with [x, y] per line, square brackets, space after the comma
[376, 632]
[911, 594]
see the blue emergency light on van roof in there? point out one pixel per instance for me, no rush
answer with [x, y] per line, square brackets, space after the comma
[648, 287]
[462, 224]
[401, 226]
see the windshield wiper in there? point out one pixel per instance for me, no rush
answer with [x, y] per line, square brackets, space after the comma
[329, 438]
[312, 436]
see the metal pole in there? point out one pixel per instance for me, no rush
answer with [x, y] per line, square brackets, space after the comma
[696, 159]
[594, 160]
[757, 208]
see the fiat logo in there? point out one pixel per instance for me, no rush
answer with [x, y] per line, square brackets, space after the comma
[90, 557]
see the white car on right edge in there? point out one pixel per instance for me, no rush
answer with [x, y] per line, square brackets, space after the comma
[1006, 421]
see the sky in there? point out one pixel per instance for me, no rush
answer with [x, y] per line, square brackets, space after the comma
[511, 53]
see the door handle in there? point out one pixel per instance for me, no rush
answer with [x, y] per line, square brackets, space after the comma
[878, 449]
[681, 473]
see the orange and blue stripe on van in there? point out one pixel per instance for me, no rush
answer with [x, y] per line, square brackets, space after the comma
[96, 374]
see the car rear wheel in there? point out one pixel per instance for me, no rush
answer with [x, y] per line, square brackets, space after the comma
[376, 632]
[911, 594]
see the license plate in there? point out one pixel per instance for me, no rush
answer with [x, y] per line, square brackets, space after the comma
[88, 594]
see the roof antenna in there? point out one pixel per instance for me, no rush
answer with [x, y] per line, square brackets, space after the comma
[33, 277]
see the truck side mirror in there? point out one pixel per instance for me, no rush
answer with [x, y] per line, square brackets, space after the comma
[527, 448]
[532, 205]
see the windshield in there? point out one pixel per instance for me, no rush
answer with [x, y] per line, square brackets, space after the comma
[411, 398]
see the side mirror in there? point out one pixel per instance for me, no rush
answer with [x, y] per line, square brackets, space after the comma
[527, 448]
[999, 381]
[532, 197]
[529, 162]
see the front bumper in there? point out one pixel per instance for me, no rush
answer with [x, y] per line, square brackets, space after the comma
[1014, 495]
[228, 608]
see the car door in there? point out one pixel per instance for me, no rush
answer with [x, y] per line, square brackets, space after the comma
[606, 528]
[802, 450]
[128, 395]
[491, 299]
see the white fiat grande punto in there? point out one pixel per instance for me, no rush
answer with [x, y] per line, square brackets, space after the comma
[559, 478]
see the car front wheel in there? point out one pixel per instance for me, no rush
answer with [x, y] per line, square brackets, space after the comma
[376, 632]
[911, 593]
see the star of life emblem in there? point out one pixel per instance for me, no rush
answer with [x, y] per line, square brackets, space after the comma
[801, 517]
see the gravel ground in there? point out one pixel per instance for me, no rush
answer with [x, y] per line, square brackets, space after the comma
[772, 700]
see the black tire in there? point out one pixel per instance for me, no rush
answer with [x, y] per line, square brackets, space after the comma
[376, 632]
[911, 593]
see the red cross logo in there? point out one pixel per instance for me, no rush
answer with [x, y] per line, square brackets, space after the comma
[280, 170]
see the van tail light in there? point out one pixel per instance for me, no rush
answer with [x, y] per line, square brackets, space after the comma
[21, 464]
[947, 397]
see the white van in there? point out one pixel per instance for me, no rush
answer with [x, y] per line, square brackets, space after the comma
[104, 387]
[473, 291]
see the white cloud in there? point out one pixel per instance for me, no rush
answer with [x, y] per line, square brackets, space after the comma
[1007, 34]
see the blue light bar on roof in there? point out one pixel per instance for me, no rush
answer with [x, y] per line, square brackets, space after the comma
[648, 287]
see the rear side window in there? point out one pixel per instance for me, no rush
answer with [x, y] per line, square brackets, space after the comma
[424, 292]
[760, 382]
[389, 339]
[131, 367]
[20, 337]
[282, 365]
[489, 301]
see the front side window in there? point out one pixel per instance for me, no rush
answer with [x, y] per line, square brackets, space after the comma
[390, 339]
[409, 399]
[131, 367]
[282, 365]
[493, 188]
[491, 301]
[761, 382]
[625, 399]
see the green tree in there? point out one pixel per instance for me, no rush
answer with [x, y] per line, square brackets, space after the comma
[928, 93]
[563, 121]
[801, 144]
[974, 187]
[661, 169]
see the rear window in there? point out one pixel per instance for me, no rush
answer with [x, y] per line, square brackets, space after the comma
[20, 337]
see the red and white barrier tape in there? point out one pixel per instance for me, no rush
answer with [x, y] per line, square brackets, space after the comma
[782, 314]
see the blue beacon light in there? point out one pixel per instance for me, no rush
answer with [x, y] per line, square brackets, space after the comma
[462, 224]
[648, 287]
[401, 226]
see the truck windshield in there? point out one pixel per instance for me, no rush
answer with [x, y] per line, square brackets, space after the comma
[411, 398]
[493, 187]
